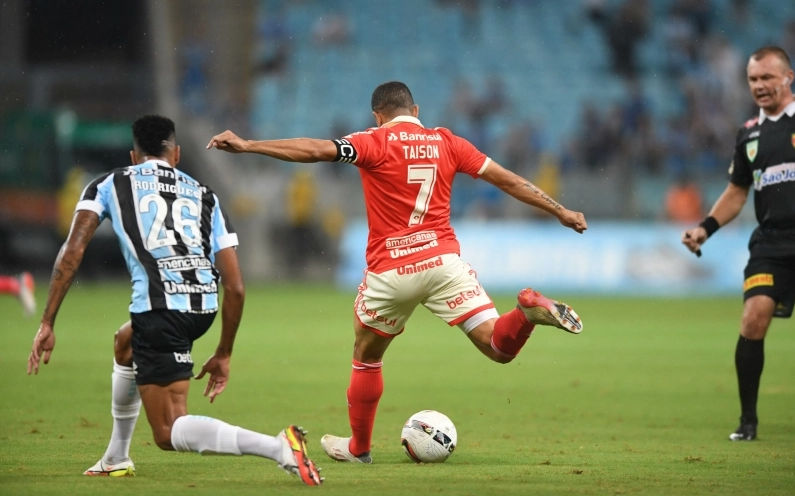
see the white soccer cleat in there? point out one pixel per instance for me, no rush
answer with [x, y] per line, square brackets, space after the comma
[294, 458]
[121, 469]
[541, 310]
[26, 296]
[337, 448]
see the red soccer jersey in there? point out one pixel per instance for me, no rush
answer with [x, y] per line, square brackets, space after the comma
[407, 176]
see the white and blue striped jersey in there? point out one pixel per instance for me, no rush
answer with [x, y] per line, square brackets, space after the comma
[169, 228]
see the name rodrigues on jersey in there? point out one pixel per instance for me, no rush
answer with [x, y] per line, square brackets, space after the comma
[167, 188]
[420, 151]
[184, 263]
[186, 288]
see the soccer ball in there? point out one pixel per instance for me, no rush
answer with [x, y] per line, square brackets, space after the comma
[428, 437]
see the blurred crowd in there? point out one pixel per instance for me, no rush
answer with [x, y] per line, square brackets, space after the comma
[697, 58]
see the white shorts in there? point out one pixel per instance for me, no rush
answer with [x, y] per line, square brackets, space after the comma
[444, 284]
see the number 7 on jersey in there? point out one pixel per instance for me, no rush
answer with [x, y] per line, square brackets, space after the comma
[425, 175]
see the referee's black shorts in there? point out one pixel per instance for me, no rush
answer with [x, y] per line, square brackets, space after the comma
[773, 277]
[161, 344]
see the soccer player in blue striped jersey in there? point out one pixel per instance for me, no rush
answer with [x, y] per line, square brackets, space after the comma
[179, 246]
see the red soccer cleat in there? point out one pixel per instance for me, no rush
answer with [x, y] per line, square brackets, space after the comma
[540, 310]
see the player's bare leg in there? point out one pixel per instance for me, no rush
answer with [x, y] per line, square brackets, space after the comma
[749, 359]
[366, 387]
[174, 429]
[125, 407]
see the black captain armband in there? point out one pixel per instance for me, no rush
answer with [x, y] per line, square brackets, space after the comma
[710, 225]
[345, 151]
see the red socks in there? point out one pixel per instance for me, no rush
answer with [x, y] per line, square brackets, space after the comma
[365, 390]
[9, 285]
[510, 333]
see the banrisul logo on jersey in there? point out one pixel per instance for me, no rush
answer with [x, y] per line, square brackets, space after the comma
[774, 175]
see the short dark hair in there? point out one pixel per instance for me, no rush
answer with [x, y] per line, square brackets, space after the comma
[390, 97]
[151, 131]
[773, 50]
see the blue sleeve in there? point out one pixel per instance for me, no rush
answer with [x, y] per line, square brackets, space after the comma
[96, 196]
[223, 235]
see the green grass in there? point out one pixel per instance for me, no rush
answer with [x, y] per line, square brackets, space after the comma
[640, 403]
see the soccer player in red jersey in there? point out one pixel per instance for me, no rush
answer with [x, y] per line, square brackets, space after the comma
[412, 256]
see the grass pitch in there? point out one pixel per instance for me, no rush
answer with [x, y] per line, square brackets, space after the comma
[641, 403]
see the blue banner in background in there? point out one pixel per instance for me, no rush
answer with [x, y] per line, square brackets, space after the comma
[609, 258]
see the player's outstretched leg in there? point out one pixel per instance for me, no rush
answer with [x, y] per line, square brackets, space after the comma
[210, 436]
[540, 310]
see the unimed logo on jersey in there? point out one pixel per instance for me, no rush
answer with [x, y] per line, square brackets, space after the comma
[774, 175]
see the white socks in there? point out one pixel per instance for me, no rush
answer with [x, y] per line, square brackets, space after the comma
[210, 436]
[125, 405]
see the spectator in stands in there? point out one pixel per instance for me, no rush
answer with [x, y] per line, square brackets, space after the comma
[332, 29]
[698, 13]
[273, 47]
[595, 10]
[683, 201]
[624, 30]
[680, 43]
[788, 37]
[194, 81]
[517, 149]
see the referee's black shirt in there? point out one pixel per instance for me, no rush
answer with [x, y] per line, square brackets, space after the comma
[764, 158]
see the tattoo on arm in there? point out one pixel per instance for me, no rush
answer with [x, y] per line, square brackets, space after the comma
[68, 261]
[543, 195]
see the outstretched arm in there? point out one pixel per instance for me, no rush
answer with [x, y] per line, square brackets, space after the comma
[306, 150]
[728, 206]
[526, 192]
[84, 224]
[231, 312]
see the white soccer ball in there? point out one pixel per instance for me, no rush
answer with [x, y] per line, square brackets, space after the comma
[428, 437]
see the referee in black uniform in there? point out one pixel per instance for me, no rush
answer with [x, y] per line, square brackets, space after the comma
[764, 158]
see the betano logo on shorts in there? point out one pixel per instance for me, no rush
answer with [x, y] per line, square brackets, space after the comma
[781, 173]
[758, 280]
[183, 357]
[420, 266]
[402, 246]
[464, 296]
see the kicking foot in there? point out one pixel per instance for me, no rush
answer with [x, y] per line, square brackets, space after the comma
[337, 448]
[746, 432]
[26, 296]
[540, 310]
[120, 469]
[295, 460]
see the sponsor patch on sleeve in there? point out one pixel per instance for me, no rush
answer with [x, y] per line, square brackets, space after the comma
[758, 280]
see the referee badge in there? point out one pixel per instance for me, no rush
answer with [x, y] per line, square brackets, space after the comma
[793, 140]
[751, 148]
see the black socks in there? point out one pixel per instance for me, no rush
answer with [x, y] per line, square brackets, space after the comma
[749, 358]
